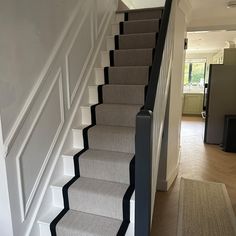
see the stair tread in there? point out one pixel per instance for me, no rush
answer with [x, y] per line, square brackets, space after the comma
[120, 106]
[132, 50]
[79, 223]
[59, 183]
[140, 10]
[112, 156]
[110, 129]
[102, 187]
[136, 34]
[71, 152]
[129, 67]
[142, 20]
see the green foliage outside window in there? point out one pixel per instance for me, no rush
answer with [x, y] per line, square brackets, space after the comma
[194, 73]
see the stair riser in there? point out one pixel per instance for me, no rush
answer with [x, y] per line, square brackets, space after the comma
[68, 164]
[99, 76]
[93, 95]
[131, 58]
[117, 142]
[129, 76]
[86, 115]
[117, 117]
[136, 27]
[135, 41]
[119, 17]
[150, 14]
[124, 95]
[105, 59]
[110, 43]
[105, 171]
[78, 141]
[93, 205]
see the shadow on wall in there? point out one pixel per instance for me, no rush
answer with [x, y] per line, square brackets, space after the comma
[122, 6]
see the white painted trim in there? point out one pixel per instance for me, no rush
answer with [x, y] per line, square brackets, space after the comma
[2, 147]
[211, 27]
[102, 23]
[74, 110]
[25, 205]
[187, 9]
[164, 185]
[71, 96]
[6, 216]
[8, 142]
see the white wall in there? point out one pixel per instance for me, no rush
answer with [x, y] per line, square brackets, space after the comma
[31, 30]
[170, 157]
[5, 216]
[46, 52]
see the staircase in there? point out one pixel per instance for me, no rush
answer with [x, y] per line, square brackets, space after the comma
[99, 199]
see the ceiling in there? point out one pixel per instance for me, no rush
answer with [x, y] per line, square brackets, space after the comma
[196, 4]
[211, 14]
[216, 23]
[209, 42]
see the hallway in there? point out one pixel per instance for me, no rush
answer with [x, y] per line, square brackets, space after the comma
[198, 161]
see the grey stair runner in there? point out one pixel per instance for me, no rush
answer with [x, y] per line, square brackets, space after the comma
[135, 41]
[129, 75]
[147, 14]
[104, 171]
[77, 223]
[106, 165]
[117, 114]
[114, 138]
[140, 26]
[132, 57]
[123, 94]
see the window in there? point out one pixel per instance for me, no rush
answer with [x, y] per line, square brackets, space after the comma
[194, 73]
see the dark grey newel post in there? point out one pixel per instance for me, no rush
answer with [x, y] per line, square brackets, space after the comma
[143, 173]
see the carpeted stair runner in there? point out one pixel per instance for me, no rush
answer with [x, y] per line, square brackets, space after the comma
[97, 199]
[132, 57]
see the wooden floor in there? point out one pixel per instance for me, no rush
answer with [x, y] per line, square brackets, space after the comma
[198, 161]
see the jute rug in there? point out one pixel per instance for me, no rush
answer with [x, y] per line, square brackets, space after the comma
[205, 210]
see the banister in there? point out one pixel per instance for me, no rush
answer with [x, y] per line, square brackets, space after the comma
[149, 126]
[155, 72]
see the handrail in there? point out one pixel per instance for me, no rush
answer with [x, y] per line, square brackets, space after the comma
[155, 71]
[149, 125]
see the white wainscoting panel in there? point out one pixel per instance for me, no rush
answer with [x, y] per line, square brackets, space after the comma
[39, 142]
[43, 126]
[78, 55]
[102, 13]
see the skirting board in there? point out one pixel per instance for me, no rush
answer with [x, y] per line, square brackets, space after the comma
[164, 185]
